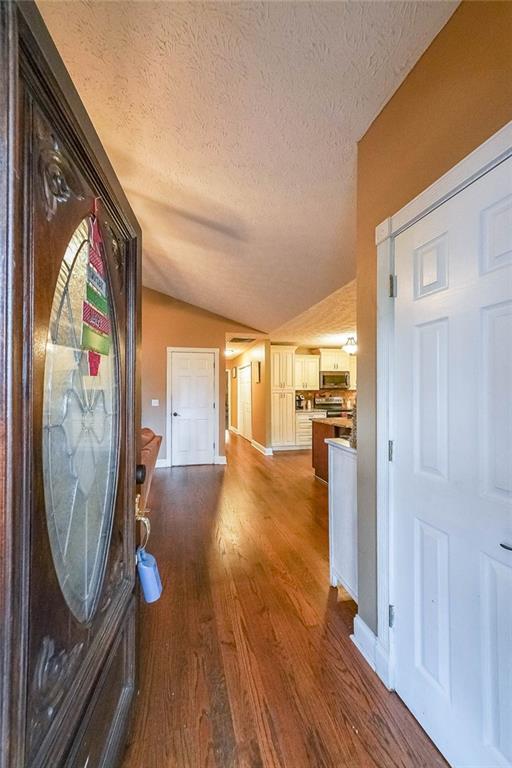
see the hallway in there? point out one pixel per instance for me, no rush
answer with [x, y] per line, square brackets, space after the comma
[246, 660]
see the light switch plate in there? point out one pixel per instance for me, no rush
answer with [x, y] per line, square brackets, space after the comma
[155, 402]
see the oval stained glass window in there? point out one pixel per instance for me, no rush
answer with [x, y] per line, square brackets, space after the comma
[81, 421]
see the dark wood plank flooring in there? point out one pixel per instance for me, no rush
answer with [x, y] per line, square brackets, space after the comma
[246, 660]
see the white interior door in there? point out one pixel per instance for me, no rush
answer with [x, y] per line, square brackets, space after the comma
[245, 402]
[192, 408]
[452, 474]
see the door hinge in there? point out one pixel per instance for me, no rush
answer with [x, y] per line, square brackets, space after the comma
[213, 406]
[393, 286]
[391, 616]
[390, 450]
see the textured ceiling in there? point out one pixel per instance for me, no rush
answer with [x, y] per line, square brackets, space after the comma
[233, 129]
[327, 323]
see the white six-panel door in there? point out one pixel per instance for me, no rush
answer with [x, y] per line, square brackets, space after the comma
[192, 408]
[452, 406]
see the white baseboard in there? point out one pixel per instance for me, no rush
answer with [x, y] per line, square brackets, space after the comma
[234, 430]
[364, 640]
[291, 448]
[219, 460]
[261, 448]
[372, 650]
[337, 581]
[161, 463]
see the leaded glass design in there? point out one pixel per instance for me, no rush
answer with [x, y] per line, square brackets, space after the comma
[81, 421]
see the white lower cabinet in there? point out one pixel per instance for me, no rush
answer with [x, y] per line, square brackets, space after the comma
[283, 418]
[304, 427]
[291, 428]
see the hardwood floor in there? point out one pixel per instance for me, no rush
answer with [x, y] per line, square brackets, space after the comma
[246, 659]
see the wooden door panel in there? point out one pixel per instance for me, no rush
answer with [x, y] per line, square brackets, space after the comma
[54, 639]
[57, 176]
[96, 743]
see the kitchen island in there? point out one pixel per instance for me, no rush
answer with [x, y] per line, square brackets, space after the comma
[324, 429]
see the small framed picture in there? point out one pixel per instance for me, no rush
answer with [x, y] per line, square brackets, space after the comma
[233, 372]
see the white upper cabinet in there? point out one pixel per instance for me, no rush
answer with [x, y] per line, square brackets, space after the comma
[333, 360]
[338, 360]
[307, 372]
[312, 371]
[283, 367]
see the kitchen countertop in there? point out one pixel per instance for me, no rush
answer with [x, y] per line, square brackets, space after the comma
[335, 421]
[340, 443]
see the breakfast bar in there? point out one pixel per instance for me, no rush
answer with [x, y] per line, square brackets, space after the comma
[323, 429]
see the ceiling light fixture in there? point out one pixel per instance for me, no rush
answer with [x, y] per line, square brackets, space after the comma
[350, 346]
[229, 352]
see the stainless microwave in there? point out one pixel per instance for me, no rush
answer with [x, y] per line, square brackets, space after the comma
[334, 379]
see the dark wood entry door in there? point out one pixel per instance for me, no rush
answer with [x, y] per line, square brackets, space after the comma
[69, 284]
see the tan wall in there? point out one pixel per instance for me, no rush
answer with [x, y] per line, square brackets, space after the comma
[259, 351]
[456, 97]
[167, 322]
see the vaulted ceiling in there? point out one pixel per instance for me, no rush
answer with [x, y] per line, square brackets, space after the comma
[233, 129]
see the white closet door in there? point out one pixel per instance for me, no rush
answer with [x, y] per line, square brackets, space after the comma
[453, 472]
[192, 404]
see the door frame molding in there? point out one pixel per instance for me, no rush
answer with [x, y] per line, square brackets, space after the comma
[217, 458]
[241, 368]
[378, 649]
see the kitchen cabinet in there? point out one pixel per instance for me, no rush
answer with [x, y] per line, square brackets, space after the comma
[283, 418]
[307, 372]
[322, 430]
[282, 367]
[304, 427]
[338, 360]
[333, 360]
